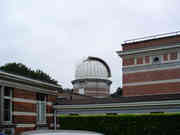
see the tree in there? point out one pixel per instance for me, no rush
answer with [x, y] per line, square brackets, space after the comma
[23, 70]
[118, 92]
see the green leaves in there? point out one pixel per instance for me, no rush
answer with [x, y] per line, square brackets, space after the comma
[23, 70]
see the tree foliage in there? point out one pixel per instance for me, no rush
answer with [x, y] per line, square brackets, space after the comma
[23, 70]
[118, 92]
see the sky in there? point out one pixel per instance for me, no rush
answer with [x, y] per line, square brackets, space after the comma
[53, 35]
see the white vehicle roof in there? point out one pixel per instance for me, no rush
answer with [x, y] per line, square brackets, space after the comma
[60, 132]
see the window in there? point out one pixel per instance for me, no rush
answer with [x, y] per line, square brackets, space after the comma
[7, 131]
[140, 60]
[81, 91]
[128, 61]
[6, 104]
[156, 59]
[41, 108]
[7, 110]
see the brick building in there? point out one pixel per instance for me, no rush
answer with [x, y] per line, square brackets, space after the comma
[25, 104]
[151, 65]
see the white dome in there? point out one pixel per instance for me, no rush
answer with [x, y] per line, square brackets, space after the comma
[92, 68]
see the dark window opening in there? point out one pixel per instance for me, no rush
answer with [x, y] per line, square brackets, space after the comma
[156, 60]
[7, 91]
[7, 104]
[7, 110]
[41, 97]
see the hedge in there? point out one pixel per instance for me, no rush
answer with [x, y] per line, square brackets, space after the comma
[134, 124]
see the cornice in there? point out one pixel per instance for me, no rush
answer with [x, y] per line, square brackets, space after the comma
[92, 79]
[145, 50]
[27, 87]
[28, 81]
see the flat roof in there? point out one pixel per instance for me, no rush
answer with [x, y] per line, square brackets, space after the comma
[152, 37]
[122, 99]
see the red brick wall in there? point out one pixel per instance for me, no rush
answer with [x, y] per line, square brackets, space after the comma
[147, 59]
[140, 60]
[164, 88]
[131, 61]
[49, 109]
[154, 42]
[18, 93]
[97, 92]
[173, 56]
[96, 95]
[24, 119]
[18, 131]
[165, 57]
[51, 98]
[75, 90]
[50, 120]
[151, 76]
[24, 107]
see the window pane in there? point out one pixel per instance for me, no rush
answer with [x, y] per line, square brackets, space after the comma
[41, 111]
[7, 91]
[7, 110]
[43, 107]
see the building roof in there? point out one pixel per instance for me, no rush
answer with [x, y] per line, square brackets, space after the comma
[150, 43]
[28, 81]
[152, 37]
[145, 98]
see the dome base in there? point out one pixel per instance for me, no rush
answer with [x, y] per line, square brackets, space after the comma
[98, 88]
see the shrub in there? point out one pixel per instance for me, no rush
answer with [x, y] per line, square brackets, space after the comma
[139, 124]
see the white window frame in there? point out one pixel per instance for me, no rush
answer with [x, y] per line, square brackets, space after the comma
[39, 111]
[81, 91]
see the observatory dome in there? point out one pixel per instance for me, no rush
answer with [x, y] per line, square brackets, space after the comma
[92, 68]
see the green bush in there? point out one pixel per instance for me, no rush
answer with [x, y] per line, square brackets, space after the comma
[139, 124]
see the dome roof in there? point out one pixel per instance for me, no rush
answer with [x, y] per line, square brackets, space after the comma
[92, 67]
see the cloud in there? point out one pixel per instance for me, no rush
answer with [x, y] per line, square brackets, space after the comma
[54, 35]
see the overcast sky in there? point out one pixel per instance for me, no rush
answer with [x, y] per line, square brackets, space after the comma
[53, 35]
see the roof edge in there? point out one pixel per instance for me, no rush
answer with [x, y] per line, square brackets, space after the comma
[26, 79]
[152, 37]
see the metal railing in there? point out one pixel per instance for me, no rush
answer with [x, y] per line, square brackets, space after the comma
[152, 37]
